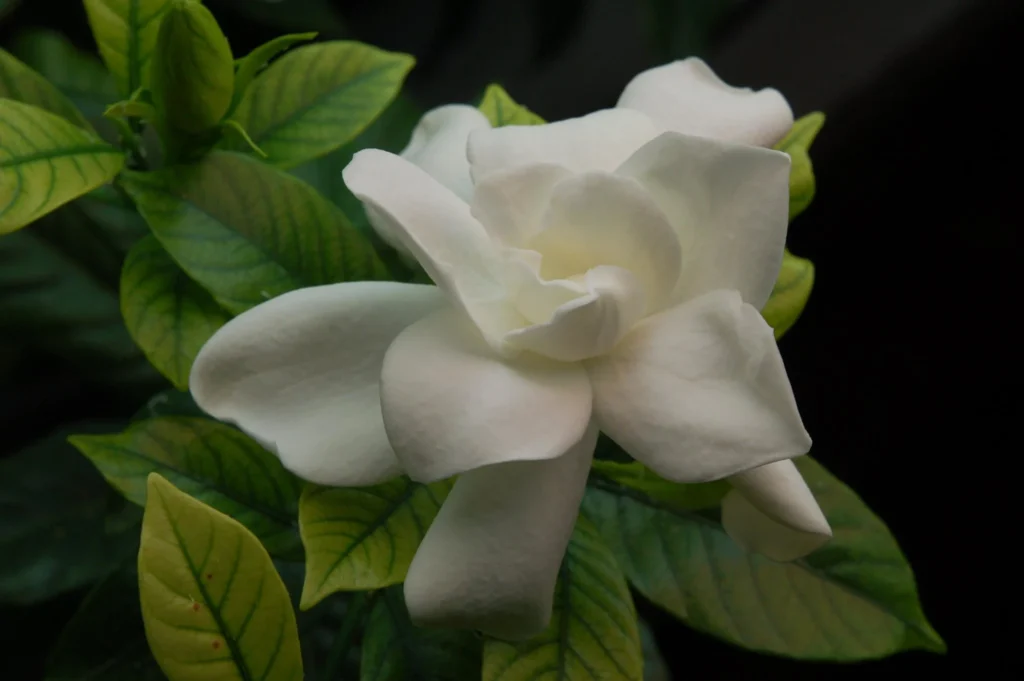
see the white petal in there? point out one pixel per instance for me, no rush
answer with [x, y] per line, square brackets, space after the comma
[771, 511]
[598, 141]
[300, 373]
[438, 145]
[699, 392]
[436, 227]
[599, 219]
[490, 560]
[451, 405]
[511, 203]
[591, 324]
[730, 205]
[686, 96]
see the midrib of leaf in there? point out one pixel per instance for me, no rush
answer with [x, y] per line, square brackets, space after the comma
[236, 653]
[605, 484]
[98, 148]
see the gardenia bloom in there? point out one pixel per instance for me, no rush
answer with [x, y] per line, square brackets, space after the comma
[603, 275]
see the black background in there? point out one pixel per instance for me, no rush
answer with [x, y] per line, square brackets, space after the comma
[905, 362]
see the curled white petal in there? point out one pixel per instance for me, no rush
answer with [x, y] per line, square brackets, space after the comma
[438, 145]
[511, 203]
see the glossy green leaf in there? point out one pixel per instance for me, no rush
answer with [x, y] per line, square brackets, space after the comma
[126, 32]
[395, 650]
[853, 599]
[19, 82]
[679, 495]
[45, 162]
[593, 632]
[104, 640]
[318, 97]
[58, 294]
[502, 110]
[170, 316]
[363, 537]
[248, 232]
[213, 604]
[61, 526]
[214, 463]
[790, 294]
[253, 62]
[79, 75]
[801, 176]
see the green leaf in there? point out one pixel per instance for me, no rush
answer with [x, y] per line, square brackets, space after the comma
[61, 526]
[126, 32]
[170, 316]
[104, 639]
[679, 495]
[593, 632]
[853, 599]
[395, 650]
[502, 110]
[214, 463]
[169, 402]
[21, 83]
[251, 64]
[211, 598]
[790, 294]
[801, 176]
[46, 162]
[318, 97]
[58, 293]
[363, 537]
[248, 232]
[116, 217]
[79, 75]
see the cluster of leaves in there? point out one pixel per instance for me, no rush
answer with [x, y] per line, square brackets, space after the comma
[209, 188]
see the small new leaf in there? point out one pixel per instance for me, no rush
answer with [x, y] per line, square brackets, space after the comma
[502, 110]
[211, 598]
[797, 143]
[790, 294]
[126, 31]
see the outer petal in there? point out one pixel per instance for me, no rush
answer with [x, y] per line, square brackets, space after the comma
[436, 227]
[511, 203]
[300, 374]
[730, 206]
[699, 392]
[686, 96]
[490, 560]
[772, 511]
[450, 405]
[438, 145]
[598, 141]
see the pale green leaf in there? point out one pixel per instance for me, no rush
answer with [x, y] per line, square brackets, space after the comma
[170, 316]
[853, 599]
[126, 32]
[790, 294]
[22, 84]
[502, 110]
[801, 176]
[211, 461]
[593, 632]
[318, 97]
[251, 64]
[45, 162]
[395, 650]
[213, 605]
[248, 232]
[363, 537]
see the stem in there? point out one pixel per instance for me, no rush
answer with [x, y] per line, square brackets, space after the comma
[354, 615]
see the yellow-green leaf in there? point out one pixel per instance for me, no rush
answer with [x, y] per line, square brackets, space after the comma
[251, 64]
[214, 606]
[593, 632]
[22, 84]
[45, 161]
[126, 31]
[170, 316]
[363, 537]
[209, 460]
[318, 97]
[852, 599]
[396, 650]
[248, 232]
[502, 110]
[790, 294]
[801, 176]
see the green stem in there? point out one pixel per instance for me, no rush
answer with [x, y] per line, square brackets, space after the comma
[355, 613]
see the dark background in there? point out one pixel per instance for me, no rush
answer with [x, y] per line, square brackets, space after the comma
[901, 362]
